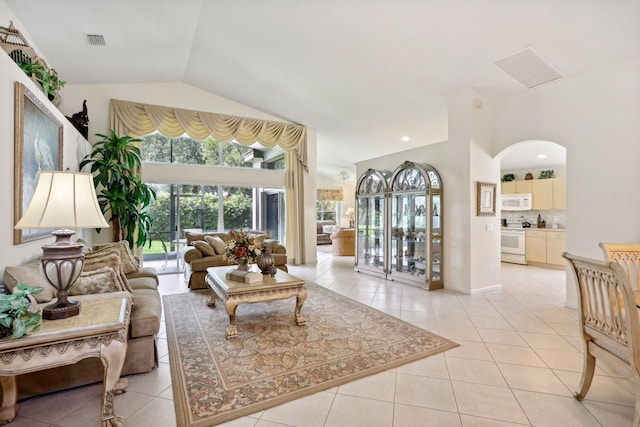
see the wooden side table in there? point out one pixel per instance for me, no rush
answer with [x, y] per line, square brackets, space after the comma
[99, 331]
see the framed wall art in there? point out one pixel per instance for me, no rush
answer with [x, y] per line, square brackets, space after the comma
[37, 147]
[486, 199]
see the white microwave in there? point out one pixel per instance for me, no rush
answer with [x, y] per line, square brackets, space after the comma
[516, 202]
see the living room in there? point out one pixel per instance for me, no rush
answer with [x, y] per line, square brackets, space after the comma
[593, 114]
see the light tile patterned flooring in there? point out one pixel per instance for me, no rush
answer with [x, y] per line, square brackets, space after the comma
[518, 363]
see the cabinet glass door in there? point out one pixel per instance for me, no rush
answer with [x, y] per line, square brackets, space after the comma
[371, 242]
[371, 223]
[408, 249]
[436, 240]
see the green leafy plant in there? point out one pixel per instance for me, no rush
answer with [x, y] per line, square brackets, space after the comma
[546, 174]
[49, 81]
[123, 197]
[508, 177]
[15, 318]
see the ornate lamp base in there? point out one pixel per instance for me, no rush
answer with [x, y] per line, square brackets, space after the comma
[62, 263]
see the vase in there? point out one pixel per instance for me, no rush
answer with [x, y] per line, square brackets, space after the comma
[265, 260]
[242, 267]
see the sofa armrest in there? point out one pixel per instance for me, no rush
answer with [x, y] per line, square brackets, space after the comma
[192, 254]
[278, 249]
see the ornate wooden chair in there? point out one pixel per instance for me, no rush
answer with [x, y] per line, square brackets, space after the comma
[628, 256]
[610, 324]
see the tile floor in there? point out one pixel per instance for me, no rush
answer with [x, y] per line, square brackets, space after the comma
[518, 363]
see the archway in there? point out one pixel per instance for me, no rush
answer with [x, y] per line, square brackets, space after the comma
[539, 159]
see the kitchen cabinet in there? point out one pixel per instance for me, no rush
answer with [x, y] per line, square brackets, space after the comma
[536, 246]
[399, 225]
[542, 194]
[559, 193]
[545, 247]
[546, 194]
[524, 186]
[508, 187]
[556, 245]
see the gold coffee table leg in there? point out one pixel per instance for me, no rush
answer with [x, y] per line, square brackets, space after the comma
[301, 297]
[231, 304]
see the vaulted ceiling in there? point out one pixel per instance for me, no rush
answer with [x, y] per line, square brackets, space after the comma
[363, 73]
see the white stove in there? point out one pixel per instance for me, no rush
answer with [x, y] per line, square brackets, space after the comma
[513, 242]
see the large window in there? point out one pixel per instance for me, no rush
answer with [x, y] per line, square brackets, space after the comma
[327, 209]
[185, 150]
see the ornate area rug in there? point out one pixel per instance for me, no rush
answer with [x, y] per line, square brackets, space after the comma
[273, 360]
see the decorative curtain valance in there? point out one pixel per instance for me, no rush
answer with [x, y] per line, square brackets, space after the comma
[136, 119]
[142, 119]
[336, 195]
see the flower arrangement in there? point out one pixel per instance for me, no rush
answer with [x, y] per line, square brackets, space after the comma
[241, 248]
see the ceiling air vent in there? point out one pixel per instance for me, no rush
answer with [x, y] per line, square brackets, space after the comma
[95, 39]
[528, 68]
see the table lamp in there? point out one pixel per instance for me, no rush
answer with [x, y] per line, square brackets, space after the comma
[63, 200]
[350, 213]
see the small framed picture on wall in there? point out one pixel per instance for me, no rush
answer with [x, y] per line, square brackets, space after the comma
[486, 199]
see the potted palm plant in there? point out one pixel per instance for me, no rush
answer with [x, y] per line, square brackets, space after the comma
[124, 199]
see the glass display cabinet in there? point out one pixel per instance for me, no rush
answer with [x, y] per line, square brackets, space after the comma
[371, 234]
[416, 226]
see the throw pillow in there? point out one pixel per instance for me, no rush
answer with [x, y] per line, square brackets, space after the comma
[258, 239]
[129, 263]
[100, 281]
[203, 247]
[96, 260]
[30, 274]
[219, 245]
[327, 229]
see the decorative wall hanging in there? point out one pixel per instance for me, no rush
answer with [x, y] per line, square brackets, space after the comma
[37, 147]
[486, 199]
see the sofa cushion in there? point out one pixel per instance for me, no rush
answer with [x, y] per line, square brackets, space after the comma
[258, 239]
[100, 281]
[30, 274]
[129, 262]
[148, 272]
[145, 313]
[204, 247]
[100, 259]
[142, 283]
[219, 245]
[201, 264]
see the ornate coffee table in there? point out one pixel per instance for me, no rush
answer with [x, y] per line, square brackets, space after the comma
[232, 293]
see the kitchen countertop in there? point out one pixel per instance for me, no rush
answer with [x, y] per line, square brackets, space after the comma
[534, 228]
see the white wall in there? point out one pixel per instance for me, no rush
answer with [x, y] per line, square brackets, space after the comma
[10, 73]
[596, 117]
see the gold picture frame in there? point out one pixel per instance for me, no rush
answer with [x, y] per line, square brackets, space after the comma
[37, 147]
[486, 196]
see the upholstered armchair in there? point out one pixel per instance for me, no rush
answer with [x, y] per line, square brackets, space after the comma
[343, 241]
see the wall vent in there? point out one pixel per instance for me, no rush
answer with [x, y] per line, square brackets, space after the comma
[528, 68]
[96, 39]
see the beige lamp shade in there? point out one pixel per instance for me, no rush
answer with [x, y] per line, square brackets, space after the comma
[350, 211]
[63, 199]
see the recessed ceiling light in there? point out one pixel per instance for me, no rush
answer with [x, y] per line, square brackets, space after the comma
[542, 156]
[405, 138]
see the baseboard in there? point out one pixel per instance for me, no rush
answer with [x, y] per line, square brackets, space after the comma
[487, 289]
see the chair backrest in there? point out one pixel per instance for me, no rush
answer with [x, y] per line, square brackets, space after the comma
[628, 256]
[608, 312]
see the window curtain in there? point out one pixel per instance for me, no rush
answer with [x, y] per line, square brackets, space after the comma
[135, 119]
[336, 195]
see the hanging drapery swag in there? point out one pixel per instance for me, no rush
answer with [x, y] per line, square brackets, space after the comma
[142, 119]
[136, 119]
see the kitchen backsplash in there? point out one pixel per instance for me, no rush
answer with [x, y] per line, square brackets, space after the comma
[559, 217]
